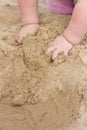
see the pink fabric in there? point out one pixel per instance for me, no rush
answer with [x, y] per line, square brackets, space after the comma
[62, 6]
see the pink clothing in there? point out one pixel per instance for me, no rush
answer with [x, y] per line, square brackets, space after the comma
[62, 6]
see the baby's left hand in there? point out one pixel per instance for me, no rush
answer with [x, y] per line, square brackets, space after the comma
[60, 44]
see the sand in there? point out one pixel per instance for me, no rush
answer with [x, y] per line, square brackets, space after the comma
[36, 93]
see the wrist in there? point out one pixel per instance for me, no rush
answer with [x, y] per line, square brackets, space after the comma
[26, 21]
[29, 17]
[67, 39]
[71, 37]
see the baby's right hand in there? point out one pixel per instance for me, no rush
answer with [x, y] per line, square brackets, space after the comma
[27, 29]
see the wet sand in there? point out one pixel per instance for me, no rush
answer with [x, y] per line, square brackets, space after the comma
[36, 93]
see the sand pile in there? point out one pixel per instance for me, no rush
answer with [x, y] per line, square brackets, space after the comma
[28, 77]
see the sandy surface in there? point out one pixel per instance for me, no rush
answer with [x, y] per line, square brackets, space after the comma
[36, 93]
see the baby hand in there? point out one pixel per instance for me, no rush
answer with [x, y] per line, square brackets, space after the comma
[60, 44]
[27, 29]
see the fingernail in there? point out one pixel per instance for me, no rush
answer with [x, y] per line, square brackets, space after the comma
[18, 43]
[52, 60]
